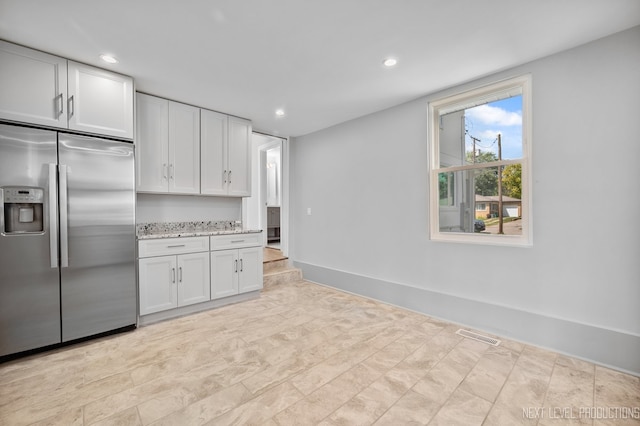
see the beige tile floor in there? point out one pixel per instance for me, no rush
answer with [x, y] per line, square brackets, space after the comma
[307, 354]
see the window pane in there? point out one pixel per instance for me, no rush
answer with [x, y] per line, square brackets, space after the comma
[479, 194]
[446, 188]
[493, 131]
[481, 134]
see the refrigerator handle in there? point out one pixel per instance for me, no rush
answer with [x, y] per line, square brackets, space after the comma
[53, 216]
[64, 231]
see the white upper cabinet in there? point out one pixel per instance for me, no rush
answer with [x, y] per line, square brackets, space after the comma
[99, 101]
[152, 143]
[33, 86]
[34, 90]
[239, 176]
[184, 148]
[213, 151]
[167, 145]
[225, 155]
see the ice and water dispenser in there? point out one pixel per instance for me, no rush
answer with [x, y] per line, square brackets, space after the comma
[22, 210]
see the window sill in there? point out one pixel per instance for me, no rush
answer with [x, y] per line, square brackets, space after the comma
[482, 239]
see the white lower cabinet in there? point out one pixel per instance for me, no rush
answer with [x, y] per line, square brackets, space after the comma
[250, 276]
[183, 271]
[169, 280]
[193, 279]
[158, 289]
[224, 273]
[235, 271]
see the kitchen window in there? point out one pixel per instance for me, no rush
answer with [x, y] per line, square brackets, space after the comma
[480, 155]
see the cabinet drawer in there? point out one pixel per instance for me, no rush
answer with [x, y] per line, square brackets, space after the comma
[166, 246]
[223, 242]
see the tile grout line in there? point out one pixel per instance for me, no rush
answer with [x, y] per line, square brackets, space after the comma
[422, 377]
[378, 378]
[546, 392]
[506, 379]
[465, 376]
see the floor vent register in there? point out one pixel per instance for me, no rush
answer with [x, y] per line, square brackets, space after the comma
[479, 337]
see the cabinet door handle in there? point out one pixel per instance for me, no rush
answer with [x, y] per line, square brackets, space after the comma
[229, 177]
[170, 171]
[60, 104]
[71, 107]
[237, 241]
[173, 275]
[224, 176]
[177, 245]
[236, 266]
[241, 267]
[164, 171]
[180, 270]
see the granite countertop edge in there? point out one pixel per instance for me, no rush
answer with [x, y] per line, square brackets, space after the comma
[196, 234]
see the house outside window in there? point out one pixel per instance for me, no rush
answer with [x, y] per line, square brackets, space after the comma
[480, 164]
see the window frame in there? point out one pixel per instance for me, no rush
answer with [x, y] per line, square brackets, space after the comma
[463, 100]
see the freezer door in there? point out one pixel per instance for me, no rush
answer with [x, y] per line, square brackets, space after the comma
[97, 235]
[29, 284]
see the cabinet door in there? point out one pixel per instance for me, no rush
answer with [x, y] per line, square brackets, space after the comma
[213, 146]
[152, 143]
[193, 278]
[184, 148]
[239, 177]
[33, 86]
[158, 284]
[99, 101]
[250, 272]
[224, 273]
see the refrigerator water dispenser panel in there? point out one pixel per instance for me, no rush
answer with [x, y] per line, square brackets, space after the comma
[23, 210]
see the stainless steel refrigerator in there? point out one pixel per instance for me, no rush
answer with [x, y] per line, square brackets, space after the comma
[67, 237]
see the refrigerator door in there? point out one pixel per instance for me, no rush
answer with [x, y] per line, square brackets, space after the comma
[29, 284]
[97, 235]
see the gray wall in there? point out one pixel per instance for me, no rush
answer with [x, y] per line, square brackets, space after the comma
[577, 290]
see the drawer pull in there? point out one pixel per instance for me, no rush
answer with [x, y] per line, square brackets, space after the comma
[177, 245]
[237, 241]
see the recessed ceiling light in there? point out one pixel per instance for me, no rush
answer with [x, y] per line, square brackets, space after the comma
[109, 59]
[280, 112]
[390, 62]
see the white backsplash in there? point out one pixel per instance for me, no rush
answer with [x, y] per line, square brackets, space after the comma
[185, 208]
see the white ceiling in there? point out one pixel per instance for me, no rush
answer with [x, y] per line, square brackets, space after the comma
[321, 61]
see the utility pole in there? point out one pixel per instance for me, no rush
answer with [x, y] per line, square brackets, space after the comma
[474, 147]
[500, 218]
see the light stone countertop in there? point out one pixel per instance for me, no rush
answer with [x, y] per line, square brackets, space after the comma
[155, 230]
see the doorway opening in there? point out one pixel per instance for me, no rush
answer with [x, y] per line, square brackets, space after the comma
[266, 208]
[273, 195]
